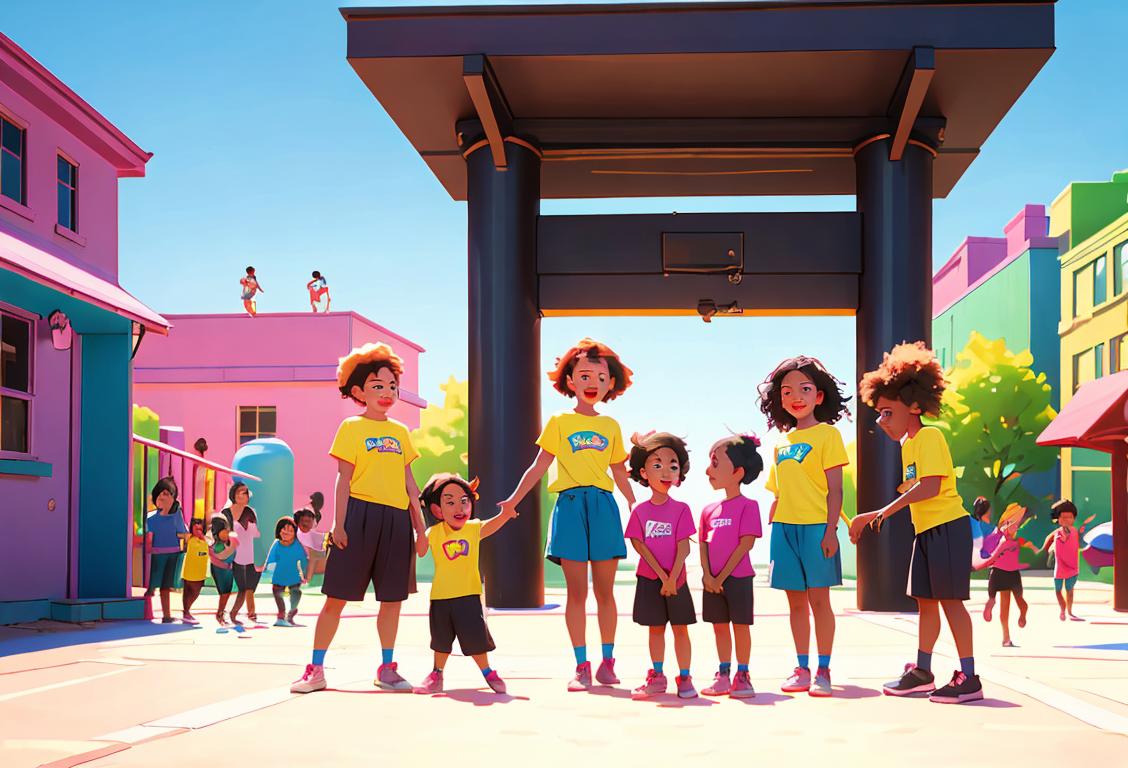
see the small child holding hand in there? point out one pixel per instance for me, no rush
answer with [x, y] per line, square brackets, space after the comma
[288, 565]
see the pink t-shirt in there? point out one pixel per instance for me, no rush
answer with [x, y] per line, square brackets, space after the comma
[1066, 548]
[660, 527]
[1007, 552]
[722, 525]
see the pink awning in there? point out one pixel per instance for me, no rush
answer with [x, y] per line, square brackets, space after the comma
[42, 267]
[1095, 417]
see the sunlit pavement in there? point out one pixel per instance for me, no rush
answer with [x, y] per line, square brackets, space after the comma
[139, 694]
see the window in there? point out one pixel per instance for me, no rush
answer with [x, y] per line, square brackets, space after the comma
[257, 421]
[1119, 265]
[68, 194]
[12, 153]
[1083, 290]
[1118, 350]
[1100, 281]
[1083, 369]
[1098, 361]
[15, 383]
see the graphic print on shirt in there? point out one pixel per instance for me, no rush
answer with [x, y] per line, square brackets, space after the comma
[796, 452]
[586, 439]
[386, 444]
[456, 548]
[657, 528]
[911, 472]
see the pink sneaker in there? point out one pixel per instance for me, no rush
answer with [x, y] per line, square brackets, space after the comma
[685, 687]
[582, 680]
[312, 680]
[820, 688]
[720, 687]
[495, 682]
[742, 687]
[605, 675]
[799, 682]
[388, 679]
[433, 683]
[655, 684]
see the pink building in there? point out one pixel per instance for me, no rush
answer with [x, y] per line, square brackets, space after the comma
[68, 331]
[233, 378]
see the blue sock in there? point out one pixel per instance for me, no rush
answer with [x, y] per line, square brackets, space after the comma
[924, 661]
[726, 667]
[581, 654]
[608, 650]
[684, 672]
[658, 666]
[318, 658]
[386, 654]
[967, 666]
[824, 661]
[741, 667]
[486, 671]
[804, 660]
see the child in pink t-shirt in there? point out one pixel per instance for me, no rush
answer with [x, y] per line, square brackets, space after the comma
[1067, 548]
[660, 529]
[729, 528]
[1005, 577]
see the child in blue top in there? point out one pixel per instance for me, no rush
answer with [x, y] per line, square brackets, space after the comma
[165, 530]
[289, 565]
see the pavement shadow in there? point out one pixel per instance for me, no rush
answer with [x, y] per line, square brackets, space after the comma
[763, 699]
[675, 703]
[479, 698]
[854, 692]
[609, 691]
[993, 704]
[16, 640]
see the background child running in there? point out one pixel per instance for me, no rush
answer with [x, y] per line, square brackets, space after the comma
[195, 567]
[165, 531]
[585, 525]
[802, 400]
[243, 521]
[288, 566]
[456, 591]
[377, 509]
[1066, 553]
[906, 386]
[221, 552]
[728, 530]
[982, 529]
[1005, 576]
[660, 529]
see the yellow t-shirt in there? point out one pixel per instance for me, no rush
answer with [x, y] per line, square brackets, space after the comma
[195, 560]
[456, 560]
[379, 451]
[584, 447]
[798, 473]
[927, 455]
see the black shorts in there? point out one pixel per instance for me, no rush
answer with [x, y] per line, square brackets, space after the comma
[380, 552]
[246, 577]
[732, 606]
[460, 617]
[653, 609]
[941, 564]
[999, 580]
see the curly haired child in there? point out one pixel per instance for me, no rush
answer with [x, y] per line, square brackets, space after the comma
[1066, 543]
[908, 385]
[659, 530]
[802, 400]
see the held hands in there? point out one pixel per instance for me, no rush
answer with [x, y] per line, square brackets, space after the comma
[859, 523]
[508, 508]
[830, 542]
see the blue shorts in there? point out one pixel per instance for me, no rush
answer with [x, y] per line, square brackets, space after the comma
[1067, 583]
[585, 526]
[798, 563]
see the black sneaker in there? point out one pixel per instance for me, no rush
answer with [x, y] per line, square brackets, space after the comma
[961, 690]
[914, 680]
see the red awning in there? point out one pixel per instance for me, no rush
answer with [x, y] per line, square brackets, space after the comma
[1095, 418]
[42, 267]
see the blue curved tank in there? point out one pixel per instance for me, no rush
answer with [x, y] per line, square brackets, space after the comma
[272, 497]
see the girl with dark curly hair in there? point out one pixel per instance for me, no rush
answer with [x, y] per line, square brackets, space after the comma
[585, 525]
[907, 385]
[802, 400]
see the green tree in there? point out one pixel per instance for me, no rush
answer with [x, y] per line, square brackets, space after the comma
[442, 435]
[993, 411]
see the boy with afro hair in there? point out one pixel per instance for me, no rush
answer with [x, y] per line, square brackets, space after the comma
[908, 385]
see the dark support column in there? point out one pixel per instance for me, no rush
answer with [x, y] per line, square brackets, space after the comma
[1119, 476]
[504, 356]
[894, 305]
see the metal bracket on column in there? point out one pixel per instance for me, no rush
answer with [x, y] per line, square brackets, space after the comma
[490, 104]
[909, 97]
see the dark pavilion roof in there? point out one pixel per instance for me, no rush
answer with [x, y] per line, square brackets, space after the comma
[748, 98]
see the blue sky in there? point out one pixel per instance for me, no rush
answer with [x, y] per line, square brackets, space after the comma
[270, 151]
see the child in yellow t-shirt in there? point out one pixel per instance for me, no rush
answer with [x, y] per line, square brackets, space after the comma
[377, 508]
[909, 384]
[456, 602]
[585, 525]
[802, 400]
[195, 568]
